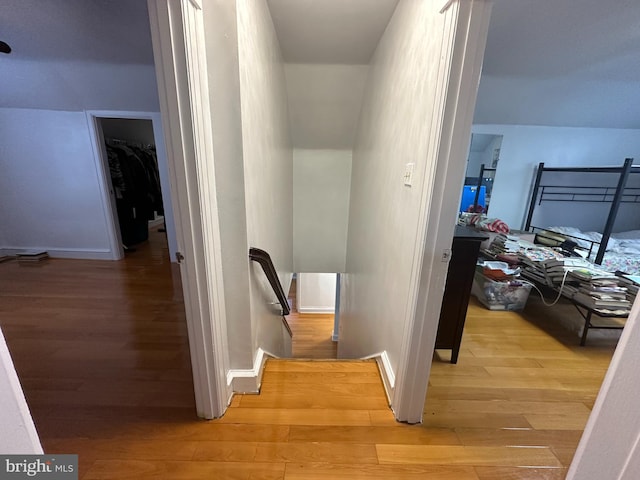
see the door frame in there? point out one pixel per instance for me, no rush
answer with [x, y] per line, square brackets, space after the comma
[177, 32]
[171, 66]
[104, 177]
[464, 40]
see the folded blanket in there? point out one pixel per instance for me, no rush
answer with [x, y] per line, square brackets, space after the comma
[488, 224]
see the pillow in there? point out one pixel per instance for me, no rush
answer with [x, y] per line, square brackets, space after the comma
[630, 235]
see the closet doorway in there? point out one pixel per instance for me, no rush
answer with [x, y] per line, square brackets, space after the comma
[132, 165]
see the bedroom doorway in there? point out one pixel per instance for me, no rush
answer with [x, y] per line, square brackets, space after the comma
[119, 132]
[482, 165]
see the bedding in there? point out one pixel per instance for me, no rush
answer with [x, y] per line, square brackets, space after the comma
[623, 249]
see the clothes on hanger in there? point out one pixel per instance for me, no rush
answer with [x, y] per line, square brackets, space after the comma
[136, 184]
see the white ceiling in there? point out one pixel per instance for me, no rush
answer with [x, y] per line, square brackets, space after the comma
[77, 55]
[548, 62]
[106, 31]
[330, 31]
[562, 63]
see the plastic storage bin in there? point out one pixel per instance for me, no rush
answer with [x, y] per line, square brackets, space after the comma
[507, 295]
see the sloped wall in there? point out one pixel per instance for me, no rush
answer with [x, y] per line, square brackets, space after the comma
[268, 163]
[394, 129]
[49, 190]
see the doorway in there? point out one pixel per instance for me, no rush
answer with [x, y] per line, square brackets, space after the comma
[132, 206]
[314, 299]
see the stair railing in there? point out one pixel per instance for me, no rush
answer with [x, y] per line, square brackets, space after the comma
[264, 259]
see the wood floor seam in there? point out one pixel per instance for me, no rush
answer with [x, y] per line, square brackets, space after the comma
[101, 349]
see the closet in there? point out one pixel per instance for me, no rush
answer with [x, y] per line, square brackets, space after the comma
[135, 179]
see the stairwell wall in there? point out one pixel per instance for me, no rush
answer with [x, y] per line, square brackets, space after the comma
[268, 164]
[396, 128]
[221, 35]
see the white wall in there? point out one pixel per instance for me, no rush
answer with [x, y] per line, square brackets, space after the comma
[221, 30]
[316, 292]
[78, 85]
[268, 163]
[49, 190]
[321, 184]
[395, 128]
[324, 104]
[473, 165]
[523, 147]
[610, 445]
[19, 434]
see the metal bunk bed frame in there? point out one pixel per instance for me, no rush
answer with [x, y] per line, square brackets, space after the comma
[616, 195]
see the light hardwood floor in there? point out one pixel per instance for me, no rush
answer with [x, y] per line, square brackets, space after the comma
[312, 332]
[101, 350]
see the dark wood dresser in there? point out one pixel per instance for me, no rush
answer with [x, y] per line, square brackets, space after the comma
[464, 254]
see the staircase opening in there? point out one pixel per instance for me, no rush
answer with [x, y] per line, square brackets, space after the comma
[314, 301]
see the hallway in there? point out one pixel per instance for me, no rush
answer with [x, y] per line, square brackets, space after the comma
[101, 350]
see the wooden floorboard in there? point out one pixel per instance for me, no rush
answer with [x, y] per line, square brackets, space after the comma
[101, 350]
[312, 332]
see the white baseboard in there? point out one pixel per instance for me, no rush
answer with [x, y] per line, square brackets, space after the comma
[386, 372]
[79, 253]
[248, 380]
[316, 309]
[156, 222]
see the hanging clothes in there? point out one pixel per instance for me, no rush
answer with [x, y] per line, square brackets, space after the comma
[136, 184]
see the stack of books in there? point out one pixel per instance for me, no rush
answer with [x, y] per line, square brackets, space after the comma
[534, 259]
[505, 243]
[606, 295]
[558, 269]
[631, 282]
[32, 256]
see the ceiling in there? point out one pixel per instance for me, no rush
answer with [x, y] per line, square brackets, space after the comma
[105, 31]
[548, 62]
[562, 63]
[330, 31]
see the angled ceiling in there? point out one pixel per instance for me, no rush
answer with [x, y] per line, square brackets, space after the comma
[562, 63]
[105, 31]
[548, 62]
[77, 55]
[330, 31]
[327, 45]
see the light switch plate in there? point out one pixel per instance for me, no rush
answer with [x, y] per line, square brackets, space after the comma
[408, 174]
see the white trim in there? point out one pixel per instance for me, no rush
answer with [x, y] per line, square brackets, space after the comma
[464, 39]
[316, 310]
[608, 448]
[79, 253]
[336, 313]
[197, 76]
[249, 380]
[106, 190]
[156, 222]
[104, 177]
[181, 85]
[386, 373]
[15, 416]
[446, 6]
